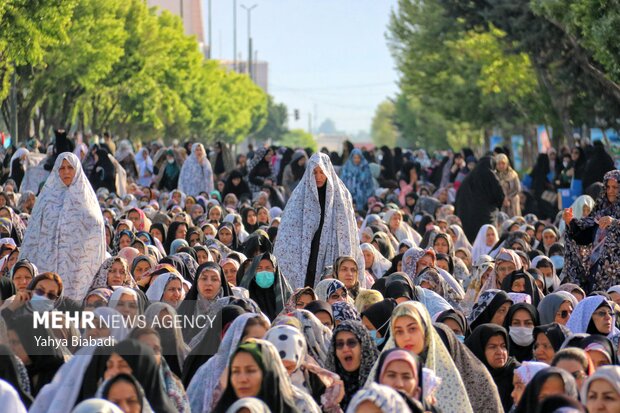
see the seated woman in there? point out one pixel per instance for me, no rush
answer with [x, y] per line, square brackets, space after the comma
[21, 275]
[332, 291]
[548, 339]
[520, 322]
[379, 398]
[492, 307]
[522, 376]
[522, 282]
[351, 355]
[347, 271]
[323, 312]
[556, 307]
[547, 382]
[593, 315]
[411, 329]
[125, 392]
[269, 381]
[575, 361]
[45, 292]
[591, 242]
[376, 319]
[489, 342]
[125, 301]
[601, 392]
[167, 288]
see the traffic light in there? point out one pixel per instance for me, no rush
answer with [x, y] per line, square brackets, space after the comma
[296, 114]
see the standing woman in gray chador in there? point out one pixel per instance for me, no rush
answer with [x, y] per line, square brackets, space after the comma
[318, 225]
[65, 233]
[196, 173]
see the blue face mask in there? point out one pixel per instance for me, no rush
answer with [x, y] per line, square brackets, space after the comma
[378, 340]
[40, 303]
[460, 338]
[265, 279]
[558, 261]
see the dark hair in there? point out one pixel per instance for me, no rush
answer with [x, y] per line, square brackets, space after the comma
[46, 276]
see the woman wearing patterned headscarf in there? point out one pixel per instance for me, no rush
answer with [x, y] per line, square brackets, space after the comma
[67, 210]
[355, 174]
[593, 242]
[196, 174]
[384, 398]
[318, 225]
[351, 355]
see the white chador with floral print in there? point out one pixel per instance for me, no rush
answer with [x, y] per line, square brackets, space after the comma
[66, 231]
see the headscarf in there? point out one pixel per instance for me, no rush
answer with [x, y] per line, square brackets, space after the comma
[399, 285]
[344, 311]
[582, 314]
[271, 300]
[353, 381]
[379, 315]
[503, 255]
[528, 369]
[384, 397]
[380, 264]
[461, 238]
[577, 207]
[551, 283]
[530, 399]
[276, 391]
[9, 373]
[481, 389]
[196, 175]
[358, 179]
[252, 404]
[549, 306]
[451, 395]
[611, 374]
[291, 304]
[66, 233]
[96, 406]
[555, 333]
[480, 243]
[502, 376]
[9, 398]
[325, 288]
[518, 351]
[157, 288]
[291, 346]
[404, 231]
[101, 277]
[530, 286]
[488, 303]
[301, 219]
[318, 337]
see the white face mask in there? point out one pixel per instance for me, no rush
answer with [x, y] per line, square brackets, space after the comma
[522, 336]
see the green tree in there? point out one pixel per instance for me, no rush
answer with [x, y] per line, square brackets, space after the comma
[298, 138]
[275, 126]
[382, 130]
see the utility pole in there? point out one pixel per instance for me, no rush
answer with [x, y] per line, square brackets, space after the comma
[249, 11]
[235, 35]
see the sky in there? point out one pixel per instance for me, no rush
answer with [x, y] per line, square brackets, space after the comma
[327, 58]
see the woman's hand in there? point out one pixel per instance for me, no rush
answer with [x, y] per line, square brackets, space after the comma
[605, 222]
[567, 215]
[21, 298]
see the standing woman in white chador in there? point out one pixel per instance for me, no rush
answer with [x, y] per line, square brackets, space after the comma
[318, 226]
[65, 233]
[196, 173]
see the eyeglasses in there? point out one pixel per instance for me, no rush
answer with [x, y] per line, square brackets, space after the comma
[96, 304]
[603, 313]
[579, 374]
[351, 343]
[336, 296]
[563, 314]
[43, 293]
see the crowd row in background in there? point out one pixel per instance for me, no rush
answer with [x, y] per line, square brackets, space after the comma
[368, 281]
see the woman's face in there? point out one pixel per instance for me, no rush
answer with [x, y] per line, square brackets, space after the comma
[611, 188]
[503, 268]
[4, 213]
[399, 376]
[491, 238]
[518, 285]
[586, 211]
[202, 256]
[94, 301]
[128, 306]
[265, 265]
[441, 245]
[302, 301]
[357, 159]
[124, 395]
[226, 236]
[47, 287]
[199, 151]
[443, 264]
[66, 173]
[325, 319]
[251, 218]
[552, 386]
[549, 238]
[347, 272]
[369, 258]
[338, 295]
[602, 397]
[348, 351]
[116, 274]
[21, 278]
[319, 177]
[116, 365]
[563, 313]
[602, 319]
[501, 165]
[209, 284]
[173, 293]
[124, 242]
[157, 234]
[395, 221]
[424, 262]
[194, 239]
[598, 358]
[246, 377]
[409, 334]
[518, 388]
[13, 257]
[543, 349]
[215, 214]
[500, 314]
[574, 368]
[495, 352]
[263, 216]
[99, 330]
[134, 217]
[366, 239]
[230, 272]
[181, 232]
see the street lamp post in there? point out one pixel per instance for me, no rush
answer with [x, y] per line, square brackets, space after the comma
[249, 11]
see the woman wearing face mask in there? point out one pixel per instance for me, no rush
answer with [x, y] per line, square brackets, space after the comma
[489, 343]
[455, 321]
[351, 356]
[520, 322]
[43, 293]
[376, 319]
[168, 177]
[267, 286]
[546, 267]
[522, 282]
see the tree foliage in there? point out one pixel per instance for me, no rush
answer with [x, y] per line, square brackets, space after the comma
[298, 138]
[383, 130]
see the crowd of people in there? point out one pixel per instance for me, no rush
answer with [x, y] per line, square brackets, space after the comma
[370, 280]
